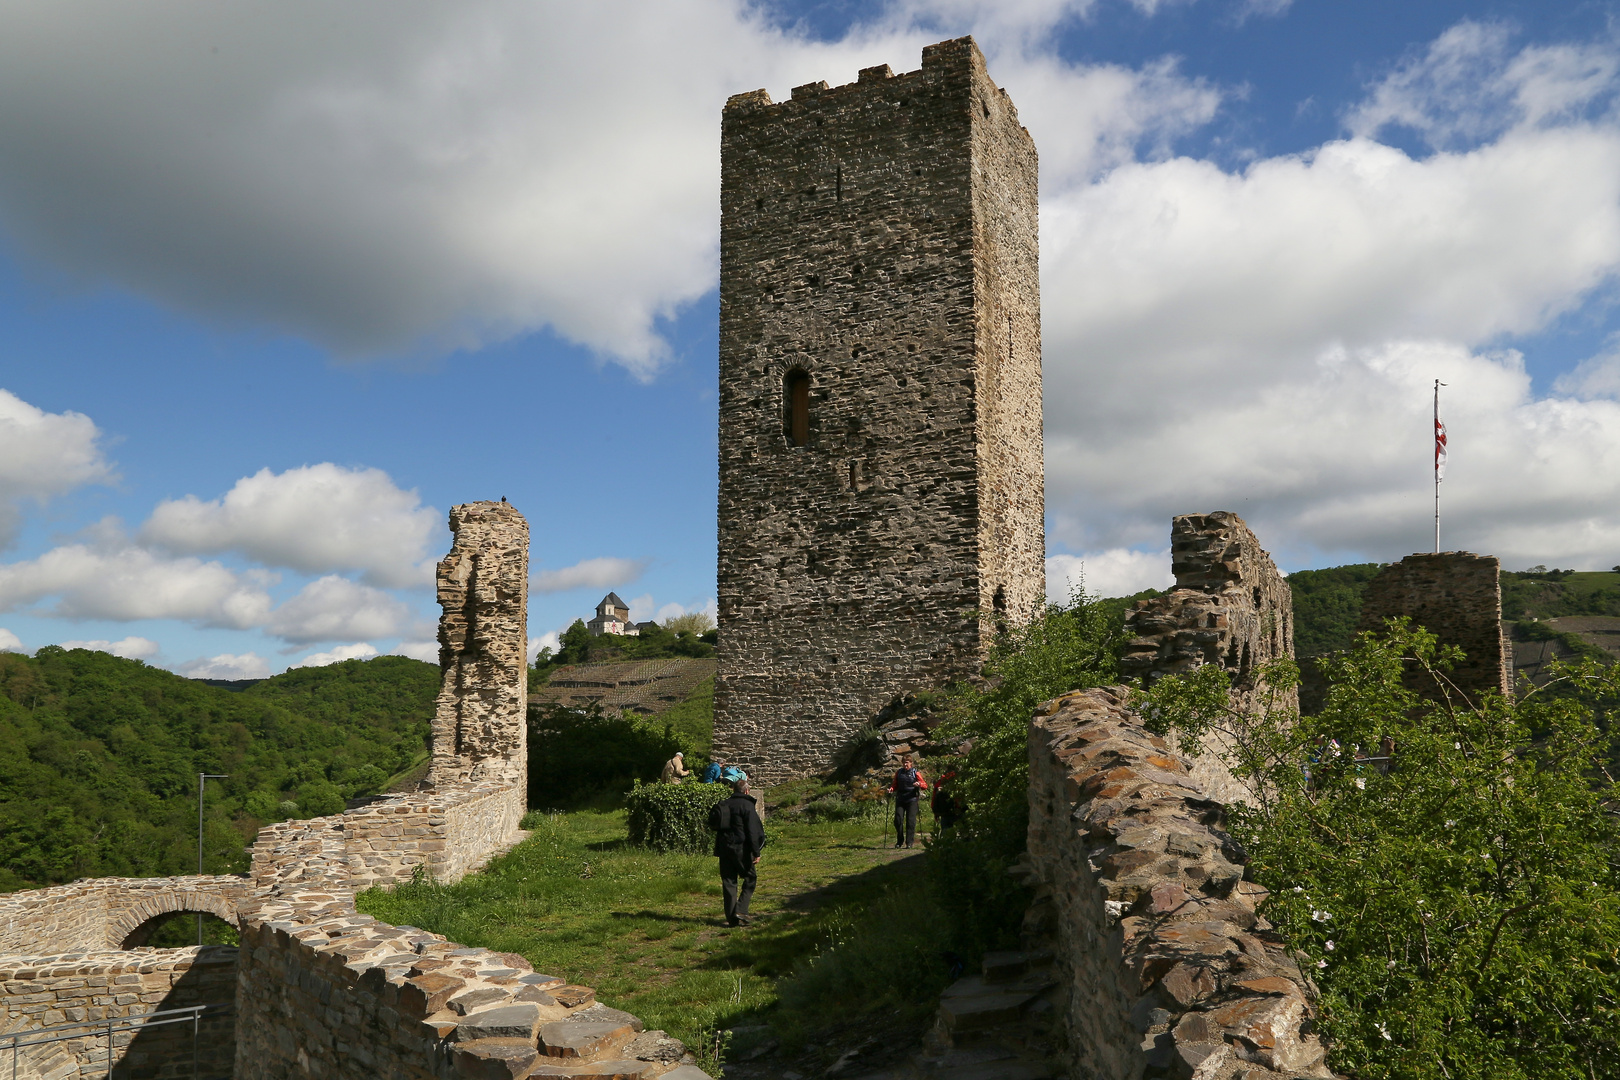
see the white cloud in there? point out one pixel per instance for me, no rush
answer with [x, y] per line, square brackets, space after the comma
[600, 573]
[337, 609]
[114, 580]
[1470, 85]
[1596, 376]
[1220, 341]
[360, 650]
[670, 611]
[551, 641]
[316, 519]
[426, 176]
[226, 666]
[425, 651]
[130, 648]
[1117, 572]
[10, 642]
[43, 454]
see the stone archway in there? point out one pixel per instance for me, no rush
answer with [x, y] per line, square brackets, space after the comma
[133, 925]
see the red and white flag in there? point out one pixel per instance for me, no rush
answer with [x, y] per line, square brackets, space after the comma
[1439, 449]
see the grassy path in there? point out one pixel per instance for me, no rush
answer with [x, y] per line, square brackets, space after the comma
[845, 929]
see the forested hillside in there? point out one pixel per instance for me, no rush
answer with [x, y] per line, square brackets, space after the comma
[99, 758]
[1327, 606]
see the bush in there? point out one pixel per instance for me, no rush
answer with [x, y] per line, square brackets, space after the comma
[576, 756]
[1459, 909]
[1065, 647]
[673, 817]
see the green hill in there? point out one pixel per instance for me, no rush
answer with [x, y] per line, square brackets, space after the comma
[99, 758]
[1550, 594]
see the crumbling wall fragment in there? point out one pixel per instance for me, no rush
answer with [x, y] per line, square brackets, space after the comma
[1231, 606]
[479, 727]
[1457, 597]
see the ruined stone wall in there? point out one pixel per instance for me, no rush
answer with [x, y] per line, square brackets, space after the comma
[328, 992]
[1457, 596]
[880, 238]
[1231, 606]
[1169, 970]
[100, 913]
[480, 725]
[447, 833]
[47, 991]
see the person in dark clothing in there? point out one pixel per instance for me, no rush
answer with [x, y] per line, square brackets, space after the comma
[907, 788]
[944, 801]
[739, 837]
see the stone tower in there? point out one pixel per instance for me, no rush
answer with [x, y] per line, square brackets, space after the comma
[1457, 597]
[480, 724]
[881, 489]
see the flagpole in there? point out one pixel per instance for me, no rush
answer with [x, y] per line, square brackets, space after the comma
[1437, 468]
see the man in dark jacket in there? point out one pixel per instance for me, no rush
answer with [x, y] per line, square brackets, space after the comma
[906, 787]
[738, 839]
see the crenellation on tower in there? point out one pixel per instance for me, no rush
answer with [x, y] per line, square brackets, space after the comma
[881, 504]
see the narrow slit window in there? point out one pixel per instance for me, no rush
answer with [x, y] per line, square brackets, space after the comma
[796, 394]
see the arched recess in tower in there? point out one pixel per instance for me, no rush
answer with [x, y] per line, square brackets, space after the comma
[796, 416]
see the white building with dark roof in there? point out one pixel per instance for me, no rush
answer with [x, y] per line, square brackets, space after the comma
[612, 617]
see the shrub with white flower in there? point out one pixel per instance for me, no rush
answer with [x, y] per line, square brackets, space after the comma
[1475, 893]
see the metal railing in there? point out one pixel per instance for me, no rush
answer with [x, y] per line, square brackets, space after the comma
[111, 1026]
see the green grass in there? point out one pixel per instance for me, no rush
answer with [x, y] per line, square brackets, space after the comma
[846, 932]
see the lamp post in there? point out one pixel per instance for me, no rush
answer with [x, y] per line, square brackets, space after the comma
[202, 779]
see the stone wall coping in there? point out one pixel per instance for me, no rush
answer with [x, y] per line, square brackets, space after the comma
[1207, 979]
[113, 962]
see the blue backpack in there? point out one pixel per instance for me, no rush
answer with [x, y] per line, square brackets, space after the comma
[731, 774]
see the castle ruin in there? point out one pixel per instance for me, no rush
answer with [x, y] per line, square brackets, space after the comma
[1231, 606]
[1457, 597]
[881, 503]
[480, 723]
[318, 989]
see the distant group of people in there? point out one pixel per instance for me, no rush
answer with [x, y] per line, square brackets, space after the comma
[739, 830]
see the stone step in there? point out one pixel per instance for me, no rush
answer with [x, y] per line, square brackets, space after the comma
[1004, 967]
[599, 1070]
[1016, 1069]
[595, 1033]
[982, 1007]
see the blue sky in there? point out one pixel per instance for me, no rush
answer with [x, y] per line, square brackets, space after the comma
[281, 283]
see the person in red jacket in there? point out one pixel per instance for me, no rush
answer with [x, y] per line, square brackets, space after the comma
[907, 788]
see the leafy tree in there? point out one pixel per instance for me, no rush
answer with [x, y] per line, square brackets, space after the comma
[1065, 647]
[1458, 904]
[696, 623]
[1327, 606]
[574, 646]
[580, 755]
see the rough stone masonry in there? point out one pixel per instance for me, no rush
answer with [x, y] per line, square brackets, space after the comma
[479, 728]
[881, 490]
[1456, 596]
[1231, 606]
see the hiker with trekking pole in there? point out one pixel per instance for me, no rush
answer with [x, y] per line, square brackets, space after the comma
[906, 788]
